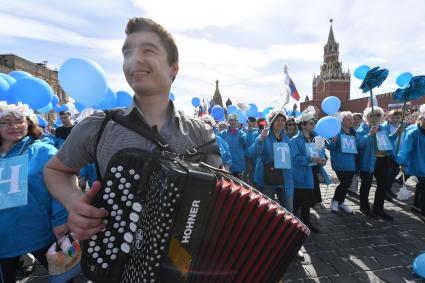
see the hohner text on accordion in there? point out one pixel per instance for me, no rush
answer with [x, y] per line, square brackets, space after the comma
[190, 222]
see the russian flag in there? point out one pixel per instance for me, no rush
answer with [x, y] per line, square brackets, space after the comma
[290, 83]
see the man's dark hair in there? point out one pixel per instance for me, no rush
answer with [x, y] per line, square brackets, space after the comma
[64, 113]
[167, 40]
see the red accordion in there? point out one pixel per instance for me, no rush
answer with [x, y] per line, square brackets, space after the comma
[177, 221]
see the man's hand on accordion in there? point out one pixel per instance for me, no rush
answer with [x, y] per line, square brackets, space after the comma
[84, 219]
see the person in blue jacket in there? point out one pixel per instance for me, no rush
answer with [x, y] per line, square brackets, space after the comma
[412, 161]
[33, 227]
[343, 160]
[226, 157]
[262, 151]
[234, 137]
[391, 127]
[251, 133]
[307, 169]
[375, 152]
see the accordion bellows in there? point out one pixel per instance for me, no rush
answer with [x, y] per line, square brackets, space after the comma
[176, 221]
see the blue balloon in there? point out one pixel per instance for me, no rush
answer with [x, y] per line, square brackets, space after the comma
[18, 75]
[58, 122]
[231, 109]
[32, 91]
[331, 105]
[9, 79]
[252, 110]
[241, 116]
[259, 115]
[217, 112]
[41, 121]
[4, 85]
[79, 106]
[83, 80]
[64, 107]
[361, 72]
[171, 96]
[403, 79]
[419, 265]
[57, 108]
[45, 109]
[196, 102]
[124, 99]
[266, 111]
[328, 127]
[109, 101]
[55, 99]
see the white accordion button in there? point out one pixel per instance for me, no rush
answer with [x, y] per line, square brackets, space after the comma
[113, 257]
[99, 260]
[108, 233]
[107, 190]
[108, 252]
[104, 265]
[122, 223]
[97, 248]
[133, 227]
[121, 230]
[113, 213]
[137, 206]
[125, 248]
[115, 207]
[127, 185]
[95, 255]
[109, 183]
[123, 180]
[118, 218]
[115, 250]
[113, 170]
[112, 195]
[120, 168]
[112, 238]
[120, 187]
[128, 203]
[128, 237]
[90, 250]
[130, 196]
[119, 211]
[136, 177]
[110, 246]
[110, 201]
[131, 171]
[125, 192]
[123, 198]
[92, 243]
[116, 225]
[133, 217]
[94, 237]
[105, 196]
[118, 175]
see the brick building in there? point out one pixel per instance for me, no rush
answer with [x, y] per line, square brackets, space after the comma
[11, 62]
[333, 81]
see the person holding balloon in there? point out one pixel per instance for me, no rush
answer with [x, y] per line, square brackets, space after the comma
[411, 159]
[343, 152]
[308, 161]
[273, 172]
[30, 217]
[375, 150]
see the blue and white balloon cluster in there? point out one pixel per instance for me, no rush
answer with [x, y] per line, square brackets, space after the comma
[329, 126]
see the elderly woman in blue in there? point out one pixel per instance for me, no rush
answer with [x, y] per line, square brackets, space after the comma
[308, 168]
[411, 159]
[375, 150]
[343, 160]
[263, 152]
[32, 225]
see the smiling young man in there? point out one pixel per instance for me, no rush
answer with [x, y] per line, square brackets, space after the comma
[150, 66]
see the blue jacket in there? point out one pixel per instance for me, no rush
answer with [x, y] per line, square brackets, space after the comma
[366, 147]
[28, 228]
[412, 154]
[236, 146]
[226, 157]
[393, 137]
[303, 173]
[249, 139]
[262, 153]
[341, 161]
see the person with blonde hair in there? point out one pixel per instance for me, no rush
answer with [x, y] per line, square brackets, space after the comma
[375, 151]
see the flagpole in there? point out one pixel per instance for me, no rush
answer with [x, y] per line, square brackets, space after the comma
[402, 125]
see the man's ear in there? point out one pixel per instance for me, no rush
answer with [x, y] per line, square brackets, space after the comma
[174, 71]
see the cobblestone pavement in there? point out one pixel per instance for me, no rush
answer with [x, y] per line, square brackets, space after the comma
[350, 248]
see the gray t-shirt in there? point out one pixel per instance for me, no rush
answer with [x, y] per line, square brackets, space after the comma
[182, 133]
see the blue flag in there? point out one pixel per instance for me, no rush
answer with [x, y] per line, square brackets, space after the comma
[13, 181]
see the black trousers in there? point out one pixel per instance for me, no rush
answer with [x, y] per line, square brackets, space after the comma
[383, 184]
[345, 178]
[419, 200]
[9, 266]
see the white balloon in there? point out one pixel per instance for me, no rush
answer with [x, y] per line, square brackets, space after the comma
[422, 108]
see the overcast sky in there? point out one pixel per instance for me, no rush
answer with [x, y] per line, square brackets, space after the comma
[242, 43]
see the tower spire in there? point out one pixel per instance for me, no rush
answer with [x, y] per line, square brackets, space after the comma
[331, 38]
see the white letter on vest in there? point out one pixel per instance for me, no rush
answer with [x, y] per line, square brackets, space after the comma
[14, 179]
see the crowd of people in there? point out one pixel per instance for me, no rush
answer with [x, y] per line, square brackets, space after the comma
[281, 156]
